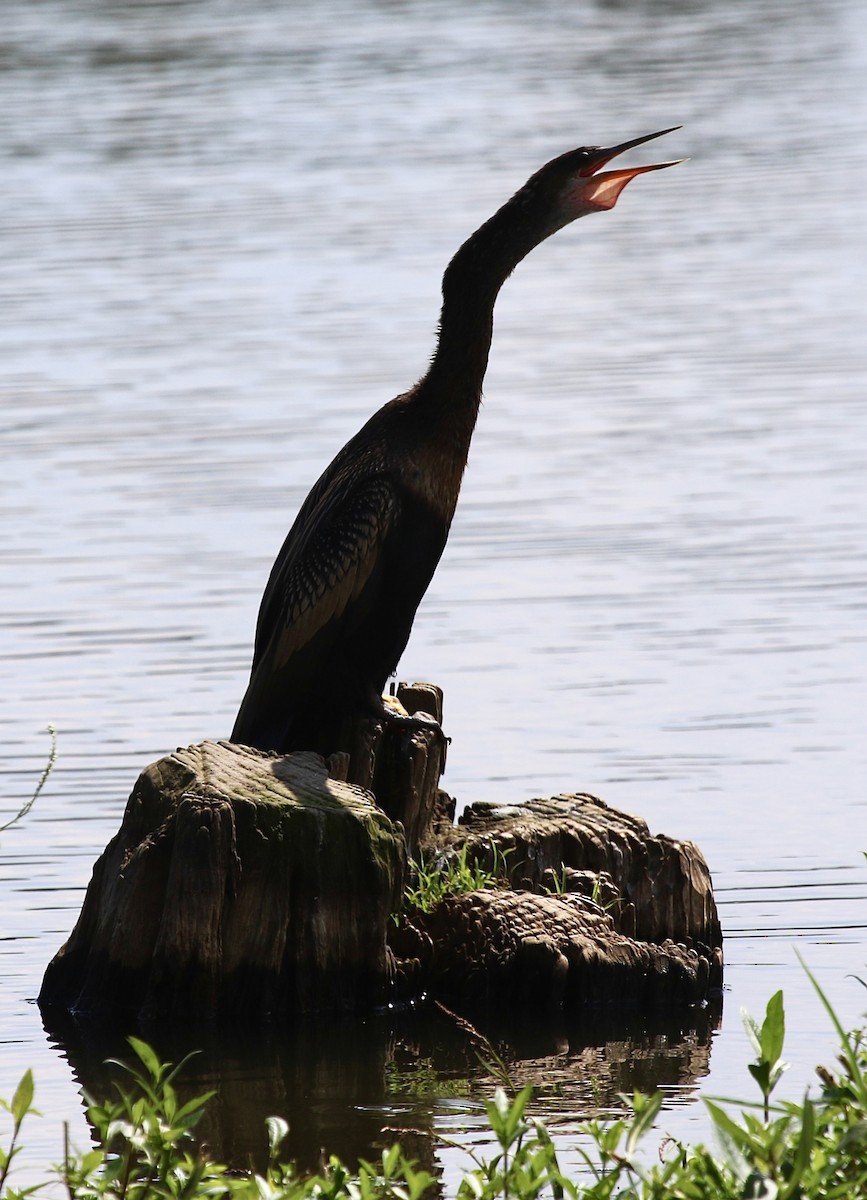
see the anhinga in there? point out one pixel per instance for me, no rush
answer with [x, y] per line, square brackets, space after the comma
[342, 595]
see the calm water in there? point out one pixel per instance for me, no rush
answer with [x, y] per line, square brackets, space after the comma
[222, 231]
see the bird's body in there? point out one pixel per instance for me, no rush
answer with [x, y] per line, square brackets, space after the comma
[342, 596]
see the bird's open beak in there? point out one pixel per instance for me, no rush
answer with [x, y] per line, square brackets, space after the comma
[602, 190]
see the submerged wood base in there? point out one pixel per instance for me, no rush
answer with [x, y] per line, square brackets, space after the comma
[244, 887]
[535, 953]
[240, 887]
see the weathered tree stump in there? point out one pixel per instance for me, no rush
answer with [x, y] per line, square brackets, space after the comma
[660, 886]
[245, 886]
[402, 766]
[597, 910]
[239, 886]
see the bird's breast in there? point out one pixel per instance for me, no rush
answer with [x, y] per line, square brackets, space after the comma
[435, 481]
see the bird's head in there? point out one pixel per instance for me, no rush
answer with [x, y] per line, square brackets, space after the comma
[566, 188]
[574, 184]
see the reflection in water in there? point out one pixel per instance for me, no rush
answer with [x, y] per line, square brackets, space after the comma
[344, 1084]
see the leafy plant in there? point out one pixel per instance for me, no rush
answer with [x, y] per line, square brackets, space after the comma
[526, 1162]
[43, 779]
[486, 1053]
[558, 881]
[558, 885]
[453, 875]
[144, 1139]
[20, 1107]
[767, 1042]
[795, 1151]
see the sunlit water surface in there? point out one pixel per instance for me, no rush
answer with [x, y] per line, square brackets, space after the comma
[223, 229]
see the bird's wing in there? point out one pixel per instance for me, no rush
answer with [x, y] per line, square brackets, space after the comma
[325, 563]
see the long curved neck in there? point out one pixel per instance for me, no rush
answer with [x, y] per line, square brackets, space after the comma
[452, 386]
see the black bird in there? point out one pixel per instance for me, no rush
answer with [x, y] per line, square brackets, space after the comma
[342, 595]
